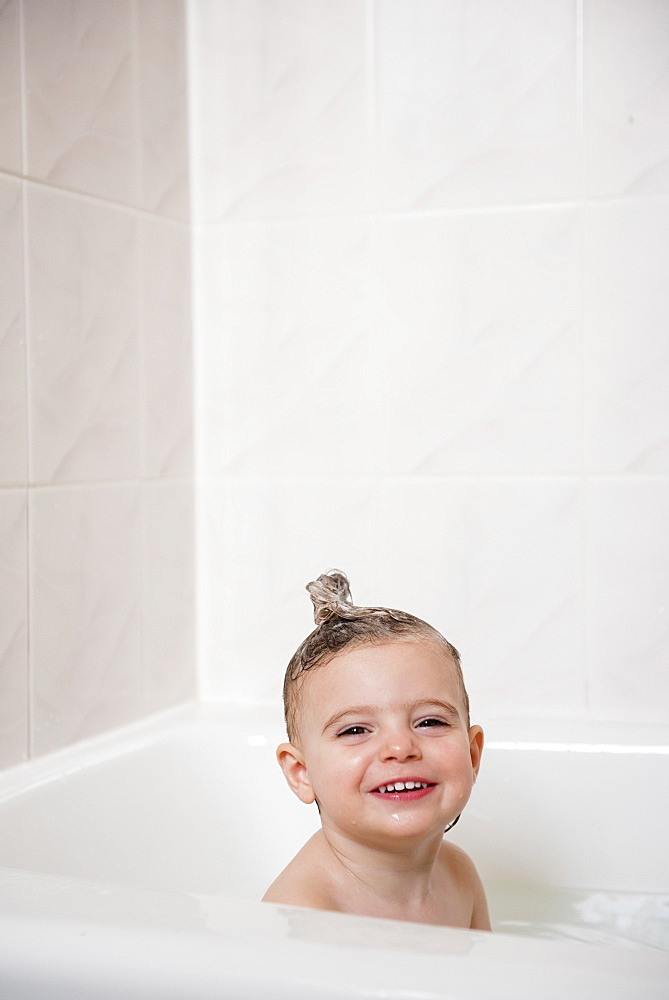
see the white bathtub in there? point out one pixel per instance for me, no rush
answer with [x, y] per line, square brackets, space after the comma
[131, 867]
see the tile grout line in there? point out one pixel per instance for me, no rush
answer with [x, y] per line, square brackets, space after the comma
[198, 232]
[582, 298]
[370, 59]
[140, 257]
[99, 200]
[136, 116]
[30, 684]
[411, 215]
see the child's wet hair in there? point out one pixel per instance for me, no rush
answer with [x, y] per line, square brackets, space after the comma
[340, 623]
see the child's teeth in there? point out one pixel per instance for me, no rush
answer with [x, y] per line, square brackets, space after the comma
[400, 786]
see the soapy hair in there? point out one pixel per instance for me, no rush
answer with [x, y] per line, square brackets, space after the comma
[340, 624]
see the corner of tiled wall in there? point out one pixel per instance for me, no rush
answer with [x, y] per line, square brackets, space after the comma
[96, 426]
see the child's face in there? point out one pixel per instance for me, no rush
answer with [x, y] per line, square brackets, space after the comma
[374, 716]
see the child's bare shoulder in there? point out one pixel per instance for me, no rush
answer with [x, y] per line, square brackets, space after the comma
[456, 860]
[302, 883]
[459, 867]
[461, 871]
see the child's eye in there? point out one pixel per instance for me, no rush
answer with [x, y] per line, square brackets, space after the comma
[353, 731]
[425, 723]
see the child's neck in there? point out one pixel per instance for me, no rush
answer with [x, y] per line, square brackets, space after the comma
[400, 884]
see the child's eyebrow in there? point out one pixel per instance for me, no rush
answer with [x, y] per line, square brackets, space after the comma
[366, 710]
[353, 710]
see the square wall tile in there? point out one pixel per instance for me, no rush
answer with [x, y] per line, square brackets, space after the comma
[168, 594]
[167, 348]
[10, 87]
[85, 611]
[163, 107]
[80, 123]
[280, 96]
[627, 350]
[476, 102]
[13, 408]
[626, 93]
[84, 385]
[13, 627]
[477, 343]
[287, 383]
[628, 585]
[260, 543]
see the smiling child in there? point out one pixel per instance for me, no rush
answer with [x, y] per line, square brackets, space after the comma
[379, 737]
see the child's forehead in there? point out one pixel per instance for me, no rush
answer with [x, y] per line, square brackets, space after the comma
[413, 664]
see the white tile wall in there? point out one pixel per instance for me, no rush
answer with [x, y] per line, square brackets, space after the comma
[166, 348]
[286, 383]
[168, 598]
[477, 102]
[430, 306]
[431, 342]
[628, 554]
[13, 627]
[626, 96]
[85, 611]
[163, 99]
[283, 107]
[13, 412]
[82, 274]
[627, 349]
[96, 428]
[477, 333]
[10, 87]
[79, 96]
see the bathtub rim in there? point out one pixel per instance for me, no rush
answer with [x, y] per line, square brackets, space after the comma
[226, 941]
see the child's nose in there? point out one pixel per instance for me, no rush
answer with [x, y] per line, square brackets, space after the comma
[400, 745]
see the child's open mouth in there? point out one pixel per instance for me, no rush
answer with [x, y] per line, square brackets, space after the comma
[403, 791]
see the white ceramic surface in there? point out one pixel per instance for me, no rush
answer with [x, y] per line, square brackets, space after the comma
[162, 839]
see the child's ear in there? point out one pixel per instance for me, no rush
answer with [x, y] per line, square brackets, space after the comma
[294, 769]
[475, 747]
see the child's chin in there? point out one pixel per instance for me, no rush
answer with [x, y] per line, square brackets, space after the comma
[400, 830]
